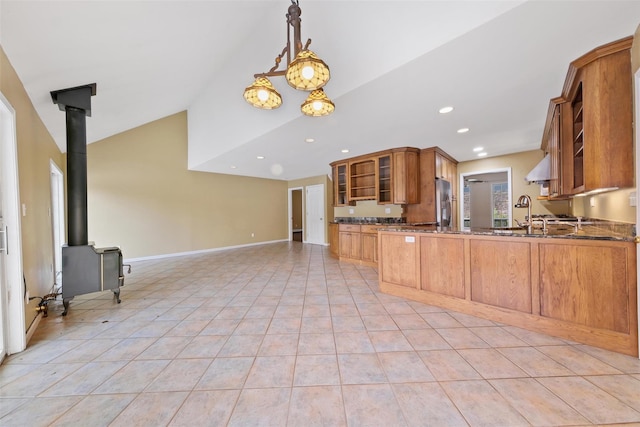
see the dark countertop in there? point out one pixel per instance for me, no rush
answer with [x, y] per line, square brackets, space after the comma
[585, 234]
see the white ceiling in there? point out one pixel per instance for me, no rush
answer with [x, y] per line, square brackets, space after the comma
[393, 63]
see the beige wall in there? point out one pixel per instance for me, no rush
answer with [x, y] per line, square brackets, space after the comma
[520, 164]
[35, 150]
[142, 197]
[328, 196]
[368, 208]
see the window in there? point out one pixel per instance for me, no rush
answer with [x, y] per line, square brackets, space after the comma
[500, 204]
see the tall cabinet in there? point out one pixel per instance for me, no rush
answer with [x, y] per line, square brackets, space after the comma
[435, 164]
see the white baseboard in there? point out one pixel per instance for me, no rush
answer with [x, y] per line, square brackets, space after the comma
[33, 327]
[224, 248]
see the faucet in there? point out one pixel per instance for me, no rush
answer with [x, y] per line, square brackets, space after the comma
[524, 201]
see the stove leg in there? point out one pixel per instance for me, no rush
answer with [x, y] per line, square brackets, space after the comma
[116, 294]
[65, 303]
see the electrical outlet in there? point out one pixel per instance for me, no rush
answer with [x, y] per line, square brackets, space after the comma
[387, 210]
[351, 211]
[592, 202]
[632, 199]
[24, 209]
[253, 234]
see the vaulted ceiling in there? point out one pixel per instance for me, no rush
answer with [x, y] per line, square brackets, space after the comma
[393, 65]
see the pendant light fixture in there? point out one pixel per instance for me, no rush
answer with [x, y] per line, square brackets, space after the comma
[306, 72]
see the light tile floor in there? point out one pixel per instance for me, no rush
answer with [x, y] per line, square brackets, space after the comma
[282, 334]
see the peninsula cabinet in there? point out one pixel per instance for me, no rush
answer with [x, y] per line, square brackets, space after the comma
[591, 123]
[582, 290]
[389, 176]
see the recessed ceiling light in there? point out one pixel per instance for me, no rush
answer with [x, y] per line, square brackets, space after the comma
[463, 130]
[478, 149]
[233, 167]
[260, 157]
[445, 110]
[309, 140]
[345, 150]
[482, 154]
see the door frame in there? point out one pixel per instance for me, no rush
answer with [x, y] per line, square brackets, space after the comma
[57, 220]
[13, 320]
[637, 170]
[290, 220]
[481, 172]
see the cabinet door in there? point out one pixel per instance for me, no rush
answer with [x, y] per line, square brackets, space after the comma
[369, 247]
[350, 245]
[406, 188]
[385, 188]
[553, 147]
[340, 182]
[334, 239]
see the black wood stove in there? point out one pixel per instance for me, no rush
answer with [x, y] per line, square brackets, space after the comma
[85, 269]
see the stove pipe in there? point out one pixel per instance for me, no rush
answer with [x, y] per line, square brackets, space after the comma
[76, 102]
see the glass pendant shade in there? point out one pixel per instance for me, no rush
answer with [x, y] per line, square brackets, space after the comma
[307, 72]
[317, 104]
[262, 94]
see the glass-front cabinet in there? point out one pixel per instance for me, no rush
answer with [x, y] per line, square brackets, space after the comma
[384, 179]
[340, 190]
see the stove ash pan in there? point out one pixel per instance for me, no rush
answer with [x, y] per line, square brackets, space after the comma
[86, 269]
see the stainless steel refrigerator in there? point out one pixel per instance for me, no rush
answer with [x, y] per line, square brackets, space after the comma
[443, 203]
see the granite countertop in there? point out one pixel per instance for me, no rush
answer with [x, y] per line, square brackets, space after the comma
[586, 233]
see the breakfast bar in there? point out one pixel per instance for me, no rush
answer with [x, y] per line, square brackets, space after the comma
[578, 286]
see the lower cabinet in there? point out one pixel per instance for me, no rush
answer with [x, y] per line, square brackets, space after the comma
[578, 289]
[350, 245]
[334, 239]
[354, 242]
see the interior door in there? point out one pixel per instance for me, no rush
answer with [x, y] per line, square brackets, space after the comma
[3, 279]
[315, 224]
[12, 304]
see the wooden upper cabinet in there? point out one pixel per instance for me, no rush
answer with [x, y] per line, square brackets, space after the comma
[406, 176]
[390, 176]
[592, 126]
[340, 185]
[557, 133]
[385, 180]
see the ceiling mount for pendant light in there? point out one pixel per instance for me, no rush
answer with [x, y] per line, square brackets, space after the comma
[305, 72]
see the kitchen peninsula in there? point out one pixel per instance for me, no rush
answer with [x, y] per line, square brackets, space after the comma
[578, 287]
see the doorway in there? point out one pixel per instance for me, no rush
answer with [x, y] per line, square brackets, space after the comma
[315, 214]
[57, 221]
[486, 200]
[637, 136]
[296, 227]
[12, 323]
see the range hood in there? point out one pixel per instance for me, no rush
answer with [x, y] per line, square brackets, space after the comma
[542, 171]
